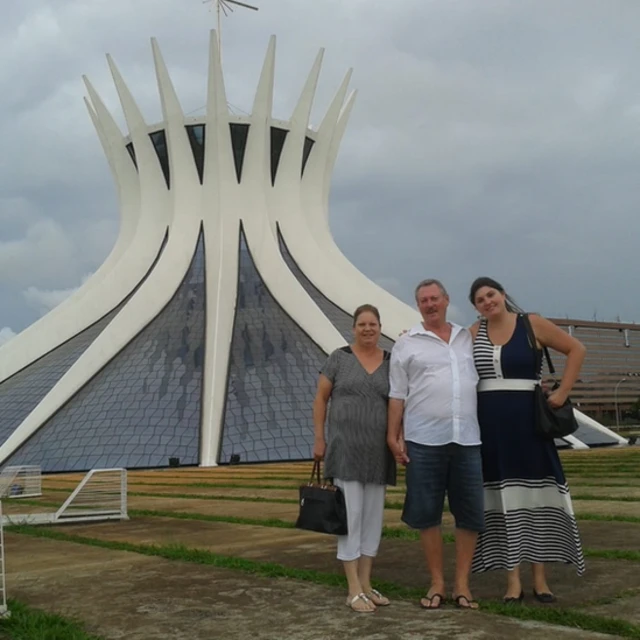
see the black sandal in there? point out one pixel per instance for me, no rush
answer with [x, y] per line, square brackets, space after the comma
[469, 603]
[430, 600]
[544, 598]
[514, 599]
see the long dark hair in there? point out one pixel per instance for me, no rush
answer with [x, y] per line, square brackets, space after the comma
[484, 281]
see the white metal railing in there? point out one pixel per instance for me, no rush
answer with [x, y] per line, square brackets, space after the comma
[6, 480]
[23, 481]
[102, 494]
[4, 610]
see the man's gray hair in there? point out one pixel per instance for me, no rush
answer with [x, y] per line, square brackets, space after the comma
[427, 283]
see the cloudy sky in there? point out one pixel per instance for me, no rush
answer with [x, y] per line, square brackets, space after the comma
[492, 137]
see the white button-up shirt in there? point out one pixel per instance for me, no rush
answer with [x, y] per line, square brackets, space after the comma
[437, 381]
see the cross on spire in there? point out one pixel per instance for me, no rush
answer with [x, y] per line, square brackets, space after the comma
[226, 7]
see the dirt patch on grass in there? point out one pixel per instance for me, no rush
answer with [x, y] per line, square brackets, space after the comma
[626, 608]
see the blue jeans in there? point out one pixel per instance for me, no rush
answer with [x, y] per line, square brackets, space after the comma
[433, 471]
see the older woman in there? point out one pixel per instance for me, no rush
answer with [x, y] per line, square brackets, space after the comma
[528, 511]
[354, 385]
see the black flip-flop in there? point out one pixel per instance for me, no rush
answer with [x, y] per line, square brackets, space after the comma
[458, 602]
[430, 599]
[544, 598]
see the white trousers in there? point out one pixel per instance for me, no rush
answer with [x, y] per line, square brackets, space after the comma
[365, 511]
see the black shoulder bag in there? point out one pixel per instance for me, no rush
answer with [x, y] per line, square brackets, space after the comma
[550, 423]
[322, 506]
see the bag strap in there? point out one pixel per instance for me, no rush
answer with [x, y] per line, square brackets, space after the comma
[315, 472]
[532, 342]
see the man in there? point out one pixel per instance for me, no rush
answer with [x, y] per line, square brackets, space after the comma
[433, 400]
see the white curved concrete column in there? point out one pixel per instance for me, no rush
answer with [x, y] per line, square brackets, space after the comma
[256, 192]
[158, 289]
[309, 238]
[115, 279]
[222, 228]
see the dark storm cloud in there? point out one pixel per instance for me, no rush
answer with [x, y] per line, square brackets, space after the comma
[494, 137]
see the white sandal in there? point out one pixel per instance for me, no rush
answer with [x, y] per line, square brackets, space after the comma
[363, 597]
[377, 598]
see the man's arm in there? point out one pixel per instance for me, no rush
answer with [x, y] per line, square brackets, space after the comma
[399, 389]
[395, 437]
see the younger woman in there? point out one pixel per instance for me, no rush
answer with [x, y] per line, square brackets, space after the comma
[528, 511]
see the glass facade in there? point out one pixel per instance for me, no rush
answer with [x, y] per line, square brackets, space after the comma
[273, 373]
[196, 140]
[593, 437]
[340, 319]
[159, 140]
[306, 152]
[278, 137]
[239, 135]
[132, 153]
[22, 392]
[145, 405]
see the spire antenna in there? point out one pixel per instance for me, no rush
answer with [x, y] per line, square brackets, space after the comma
[225, 7]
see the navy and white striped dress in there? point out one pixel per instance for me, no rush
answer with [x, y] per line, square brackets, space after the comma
[528, 512]
[357, 421]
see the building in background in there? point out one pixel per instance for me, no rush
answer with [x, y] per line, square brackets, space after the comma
[609, 384]
[200, 338]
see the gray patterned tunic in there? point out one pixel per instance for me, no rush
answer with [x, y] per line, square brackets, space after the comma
[357, 422]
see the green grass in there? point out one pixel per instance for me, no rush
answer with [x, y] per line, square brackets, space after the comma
[601, 517]
[388, 532]
[615, 473]
[219, 485]
[202, 496]
[626, 593]
[207, 496]
[588, 496]
[394, 533]
[181, 515]
[587, 483]
[294, 487]
[389, 505]
[554, 615]
[27, 623]
[211, 485]
[612, 554]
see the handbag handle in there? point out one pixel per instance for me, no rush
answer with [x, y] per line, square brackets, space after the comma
[532, 342]
[315, 475]
[315, 472]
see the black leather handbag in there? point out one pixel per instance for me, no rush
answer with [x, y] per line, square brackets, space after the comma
[550, 423]
[322, 506]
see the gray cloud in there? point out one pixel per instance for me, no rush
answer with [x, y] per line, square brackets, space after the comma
[489, 138]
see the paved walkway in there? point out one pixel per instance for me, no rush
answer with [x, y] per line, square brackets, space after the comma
[125, 595]
[399, 561]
